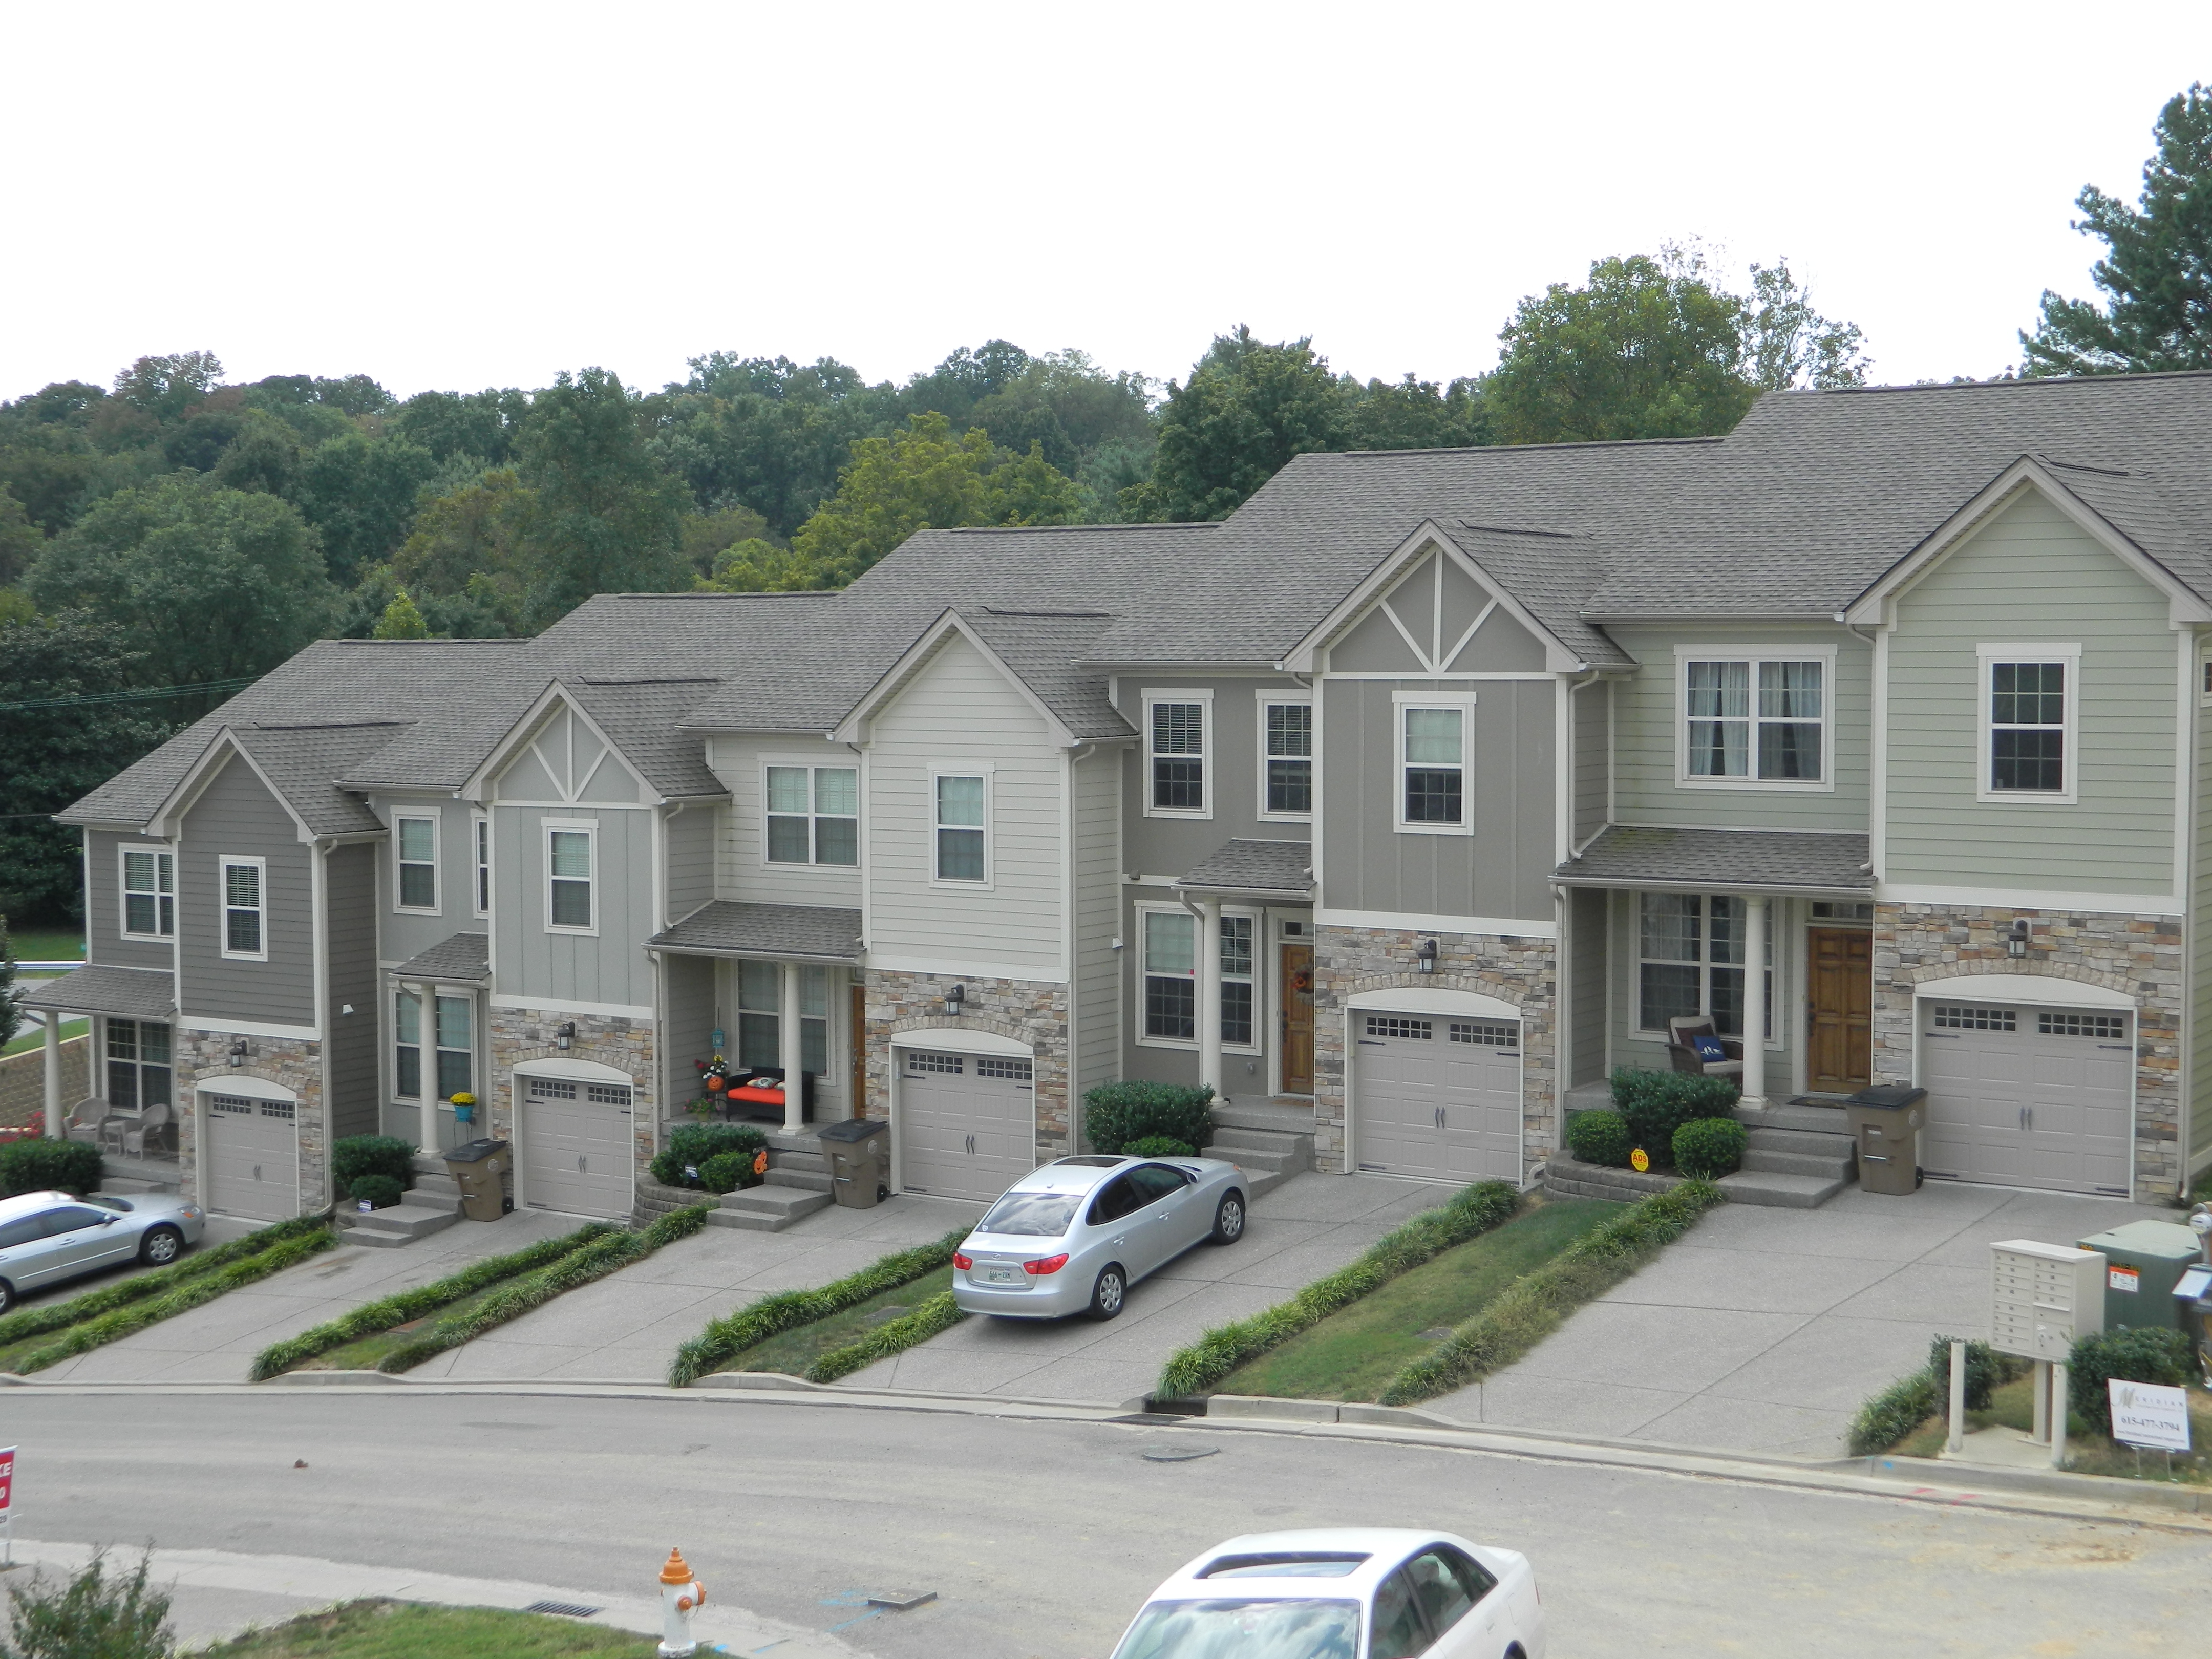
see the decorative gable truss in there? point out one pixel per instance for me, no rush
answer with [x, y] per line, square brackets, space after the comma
[557, 755]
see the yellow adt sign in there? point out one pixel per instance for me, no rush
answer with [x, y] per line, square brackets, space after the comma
[1640, 1160]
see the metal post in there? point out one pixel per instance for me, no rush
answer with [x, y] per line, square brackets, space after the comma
[1957, 1443]
[1755, 1000]
[793, 1053]
[53, 1050]
[2041, 1433]
[2058, 1415]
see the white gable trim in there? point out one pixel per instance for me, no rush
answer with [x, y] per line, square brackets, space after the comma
[853, 728]
[164, 825]
[523, 733]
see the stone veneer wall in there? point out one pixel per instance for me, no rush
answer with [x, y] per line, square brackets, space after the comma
[1023, 1010]
[2140, 957]
[1524, 972]
[290, 1062]
[626, 1044]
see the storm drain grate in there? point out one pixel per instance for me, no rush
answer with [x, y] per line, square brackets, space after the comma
[566, 1609]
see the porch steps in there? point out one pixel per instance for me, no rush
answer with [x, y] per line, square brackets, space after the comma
[432, 1204]
[768, 1209]
[799, 1168]
[1798, 1157]
[1269, 1141]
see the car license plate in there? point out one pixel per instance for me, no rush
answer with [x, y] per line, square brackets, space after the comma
[995, 1275]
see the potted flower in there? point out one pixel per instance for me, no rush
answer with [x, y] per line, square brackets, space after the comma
[465, 1107]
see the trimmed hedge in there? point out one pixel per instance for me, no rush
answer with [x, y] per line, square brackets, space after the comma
[1532, 1307]
[39, 1166]
[1116, 1113]
[786, 1310]
[726, 1172]
[378, 1192]
[356, 1156]
[2129, 1354]
[1906, 1404]
[1657, 1104]
[694, 1145]
[1159, 1146]
[1600, 1136]
[1471, 1211]
[1707, 1148]
[939, 1313]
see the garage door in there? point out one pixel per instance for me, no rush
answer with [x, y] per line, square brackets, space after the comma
[252, 1157]
[967, 1124]
[2027, 1097]
[576, 1151]
[1437, 1097]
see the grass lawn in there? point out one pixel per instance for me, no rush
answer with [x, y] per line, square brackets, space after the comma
[47, 944]
[2012, 1406]
[365, 1354]
[794, 1350]
[1353, 1354]
[395, 1630]
[29, 1040]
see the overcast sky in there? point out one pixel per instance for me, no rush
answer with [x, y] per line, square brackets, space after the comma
[464, 194]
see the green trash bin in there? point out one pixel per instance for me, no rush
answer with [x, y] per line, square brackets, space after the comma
[2144, 1262]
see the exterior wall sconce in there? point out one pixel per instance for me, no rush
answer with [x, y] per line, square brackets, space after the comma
[1425, 958]
[240, 1053]
[566, 1036]
[954, 999]
[2016, 941]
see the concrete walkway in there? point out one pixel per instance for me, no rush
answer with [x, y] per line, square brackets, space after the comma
[1765, 1329]
[1303, 1230]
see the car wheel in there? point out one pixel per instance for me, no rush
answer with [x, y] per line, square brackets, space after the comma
[1228, 1218]
[161, 1246]
[7, 1296]
[1107, 1294]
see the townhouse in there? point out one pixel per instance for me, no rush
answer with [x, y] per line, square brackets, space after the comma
[1415, 796]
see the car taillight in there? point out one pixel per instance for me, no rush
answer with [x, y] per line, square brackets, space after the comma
[1050, 1264]
[962, 1262]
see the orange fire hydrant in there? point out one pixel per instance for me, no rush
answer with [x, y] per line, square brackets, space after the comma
[681, 1596]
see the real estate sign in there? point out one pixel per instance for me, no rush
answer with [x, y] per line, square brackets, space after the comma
[6, 1480]
[2149, 1415]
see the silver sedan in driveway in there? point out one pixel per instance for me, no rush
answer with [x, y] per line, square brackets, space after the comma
[1072, 1236]
[48, 1237]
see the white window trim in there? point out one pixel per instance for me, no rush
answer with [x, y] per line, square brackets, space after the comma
[436, 821]
[1258, 978]
[1264, 699]
[1208, 782]
[985, 770]
[123, 927]
[1778, 937]
[480, 863]
[224, 864]
[1755, 655]
[1399, 702]
[1986, 657]
[812, 764]
[2204, 681]
[546, 827]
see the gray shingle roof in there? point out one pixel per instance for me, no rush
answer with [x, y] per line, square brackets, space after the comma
[1047, 651]
[125, 993]
[819, 933]
[1255, 867]
[303, 760]
[1790, 860]
[463, 958]
[645, 719]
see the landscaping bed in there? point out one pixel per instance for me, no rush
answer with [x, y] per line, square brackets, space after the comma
[2012, 1406]
[404, 1630]
[795, 1353]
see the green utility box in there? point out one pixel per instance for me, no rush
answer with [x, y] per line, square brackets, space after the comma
[2144, 1262]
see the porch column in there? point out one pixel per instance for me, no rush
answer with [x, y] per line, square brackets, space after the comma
[794, 1056]
[1209, 994]
[53, 1050]
[1755, 1000]
[426, 1064]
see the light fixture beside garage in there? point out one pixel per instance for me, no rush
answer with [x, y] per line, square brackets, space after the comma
[2016, 941]
[240, 1052]
[1425, 958]
[954, 999]
[566, 1036]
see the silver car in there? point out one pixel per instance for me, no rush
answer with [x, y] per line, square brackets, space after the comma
[1072, 1236]
[47, 1237]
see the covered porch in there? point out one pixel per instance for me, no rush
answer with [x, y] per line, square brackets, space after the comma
[126, 1105]
[1250, 908]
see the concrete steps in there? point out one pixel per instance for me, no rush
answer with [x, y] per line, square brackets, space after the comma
[1779, 1192]
[1270, 1140]
[1798, 1157]
[402, 1224]
[768, 1209]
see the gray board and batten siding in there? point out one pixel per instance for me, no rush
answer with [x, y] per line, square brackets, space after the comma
[543, 967]
[404, 933]
[105, 940]
[1166, 846]
[355, 1045]
[235, 816]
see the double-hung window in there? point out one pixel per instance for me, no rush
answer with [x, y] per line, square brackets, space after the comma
[2030, 694]
[962, 828]
[1690, 961]
[1175, 753]
[1433, 763]
[480, 831]
[1171, 975]
[456, 1047]
[417, 842]
[149, 893]
[814, 815]
[453, 1047]
[1287, 759]
[568, 866]
[1754, 720]
[760, 1016]
[1236, 982]
[242, 881]
[407, 1046]
[138, 1064]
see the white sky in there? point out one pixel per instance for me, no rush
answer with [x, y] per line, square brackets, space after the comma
[461, 194]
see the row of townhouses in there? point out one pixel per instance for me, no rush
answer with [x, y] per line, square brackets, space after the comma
[1418, 794]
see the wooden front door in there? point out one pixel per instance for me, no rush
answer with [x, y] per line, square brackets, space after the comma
[1839, 978]
[1298, 1004]
[859, 1030]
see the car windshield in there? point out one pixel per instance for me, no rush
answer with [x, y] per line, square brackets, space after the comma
[1243, 1630]
[1036, 1215]
[120, 1206]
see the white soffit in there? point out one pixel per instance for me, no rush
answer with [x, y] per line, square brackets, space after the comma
[2032, 989]
[1434, 999]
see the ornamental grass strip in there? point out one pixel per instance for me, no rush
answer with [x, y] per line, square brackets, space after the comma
[1470, 1212]
[595, 1259]
[83, 1337]
[1533, 1306]
[724, 1339]
[373, 1317]
[939, 1313]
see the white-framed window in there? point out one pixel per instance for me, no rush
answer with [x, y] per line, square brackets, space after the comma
[760, 1016]
[415, 846]
[1435, 742]
[960, 833]
[1238, 992]
[1690, 961]
[1178, 732]
[452, 1058]
[480, 854]
[407, 1045]
[1286, 757]
[571, 878]
[1169, 934]
[149, 893]
[2031, 697]
[2204, 681]
[813, 814]
[242, 883]
[139, 1072]
[1754, 718]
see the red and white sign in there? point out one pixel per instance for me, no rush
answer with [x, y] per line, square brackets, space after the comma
[2124, 1278]
[7, 1479]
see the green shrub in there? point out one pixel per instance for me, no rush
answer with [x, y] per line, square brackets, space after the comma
[1707, 1148]
[93, 1613]
[1985, 1369]
[39, 1166]
[1114, 1114]
[1599, 1136]
[938, 1314]
[1657, 1104]
[1159, 1146]
[380, 1192]
[355, 1156]
[726, 1172]
[1898, 1410]
[694, 1145]
[2126, 1355]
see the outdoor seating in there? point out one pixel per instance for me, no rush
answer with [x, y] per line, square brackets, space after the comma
[152, 1125]
[1682, 1052]
[112, 1129]
[85, 1120]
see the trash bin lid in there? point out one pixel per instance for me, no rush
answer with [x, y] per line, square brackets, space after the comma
[474, 1151]
[1889, 1097]
[857, 1128]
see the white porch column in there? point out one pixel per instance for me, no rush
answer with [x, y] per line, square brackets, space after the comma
[1755, 1000]
[1209, 994]
[792, 1057]
[53, 1048]
[426, 1064]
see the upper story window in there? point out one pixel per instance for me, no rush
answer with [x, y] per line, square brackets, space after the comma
[149, 894]
[138, 1062]
[242, 881]
[1754, 720]
[2030, 696]
[814, 815]
[961, 834]
[1175, 752]
[416, 841]
[480, 830]
[1690, 952]
[1433, 761]
[570, 878]
[1286, 759]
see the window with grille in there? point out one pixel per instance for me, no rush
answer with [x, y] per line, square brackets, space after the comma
[483, 829]
[283, 1110]
[814, 815]
[230, 1106]
[416, 841]
[962, 806]
[243, 934]
[1496, 1036]
[1175, 739]
[138, 1064]
[1691, 961]
[1237, 981]
[149, 893]
[1755, 720]
[1287, 788]
[933, 1065]
[1171, 975]
[407, 1046]
[570, 876]
[1379, 1025]
[2110, 1027]
[1433, 754]
[543, 1088]
[2028, 728]
[1952, 1019]
[606, 1094]
[1012, 1071]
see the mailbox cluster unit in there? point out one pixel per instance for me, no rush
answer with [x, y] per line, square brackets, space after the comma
[2042, 1297]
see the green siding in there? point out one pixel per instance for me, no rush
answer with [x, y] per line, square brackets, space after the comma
[2033, 575]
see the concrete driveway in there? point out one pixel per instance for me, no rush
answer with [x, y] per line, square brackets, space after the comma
[1303, 1229]
[1765, 1329]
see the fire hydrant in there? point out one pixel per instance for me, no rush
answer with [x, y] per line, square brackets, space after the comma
[681, 1596]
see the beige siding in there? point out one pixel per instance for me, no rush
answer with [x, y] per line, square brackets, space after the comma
[742, 871]
[1097, 919]
[693, 835]
[1593, 739]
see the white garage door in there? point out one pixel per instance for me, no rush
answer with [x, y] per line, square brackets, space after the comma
[576, 1153]
[967, 1123]
[1437, 1097]
[2027, 1097]
[253, 1151]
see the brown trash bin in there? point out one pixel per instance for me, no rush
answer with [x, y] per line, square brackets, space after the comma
[475, 1168]
[858, 1152]
[1886, 1124]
